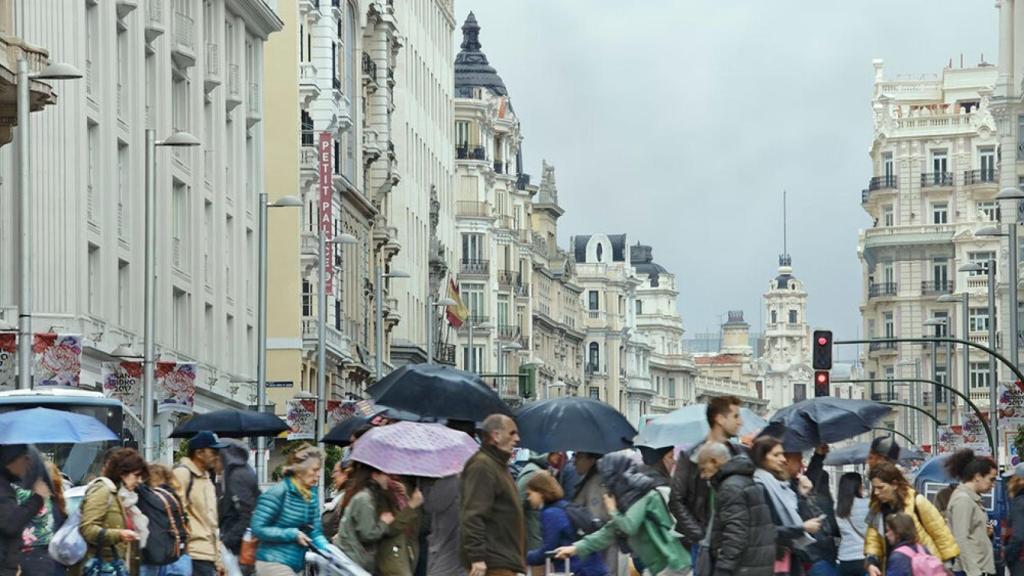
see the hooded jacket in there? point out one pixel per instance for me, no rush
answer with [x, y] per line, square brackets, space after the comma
[688, 501]
[238, 495]
[742, 532]
[538, 462]
[16, 518]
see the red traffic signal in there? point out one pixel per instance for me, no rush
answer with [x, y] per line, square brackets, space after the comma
[821, 350]
[822, 384]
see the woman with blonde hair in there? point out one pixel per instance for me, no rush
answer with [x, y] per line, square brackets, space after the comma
[164, 552]
[287, 516]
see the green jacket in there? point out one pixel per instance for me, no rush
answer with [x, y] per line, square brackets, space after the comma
[102, 510]
[399, 550]
[536, 464]
[361, 534]
[647, 526]
[491, 526]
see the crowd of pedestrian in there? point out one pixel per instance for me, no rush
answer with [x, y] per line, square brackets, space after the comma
[718, 508]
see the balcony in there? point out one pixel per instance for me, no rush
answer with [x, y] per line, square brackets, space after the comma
[509, 279]
[335, 342]
[508, 333]
[889, 241]
[475, 320]
[878, 183]
[154, 19]
[882, 289]
[466, 152]
[308, 88]
[470, 209]
[183, 51]
[445, 354]
[931, 179]
[936, 288]
[522, 181]
[211, 77]
[885, 397]
[474, 267]
[986, 176]
[884, 347]
[252, 105]
[233, 96]
[500, 167]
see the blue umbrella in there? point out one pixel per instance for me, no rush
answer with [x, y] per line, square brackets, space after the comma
[688, 426]
[47, 426]
[573, 423]
[823, 420]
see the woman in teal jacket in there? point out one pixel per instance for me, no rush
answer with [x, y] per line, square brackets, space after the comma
[287, 517]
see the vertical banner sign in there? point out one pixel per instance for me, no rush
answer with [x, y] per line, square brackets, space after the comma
[301, 418]
[8, 359]
[336, 412]
[123, 381]
[175, 386]
[324, 152]
[57, 359]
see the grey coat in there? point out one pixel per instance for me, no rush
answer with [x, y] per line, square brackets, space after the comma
[441, 502]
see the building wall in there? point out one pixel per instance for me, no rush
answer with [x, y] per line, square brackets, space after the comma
[658, 320]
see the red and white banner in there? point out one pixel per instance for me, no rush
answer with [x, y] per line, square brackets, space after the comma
[58, 359]
[123, 381]
[8, 359]
[326, 172]
[175, 387]
[301, 418]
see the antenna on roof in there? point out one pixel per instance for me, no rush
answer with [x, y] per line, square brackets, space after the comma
[784, 259]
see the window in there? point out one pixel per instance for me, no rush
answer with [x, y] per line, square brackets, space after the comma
[307, 298]
[123, 215]
[940, 274]
[941, 328]
[462, 134]
[472, 248]
[179, 105]
[594, 357]
[1020, 137]
[888, 170]
[671, 387]
[978, 320]
[504, 321]
[179, 225]
[180, 320]
[940, 213]
[980, 258]
[989, 211]
[308, 133]
[890, 390]
[940, 377]
[889, 329]
[799, 392]
[775, 316]
[209, 341]
[94, 279]
[123, 303]
[979, 373]
[473, 298]
[888, 216]
[475, 363]
[594, 392]
[940, 167]
[594, 303]
[793, 318]
[639, 307]
[988, 164]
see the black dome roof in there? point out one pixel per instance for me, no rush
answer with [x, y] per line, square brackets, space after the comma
[471, 67]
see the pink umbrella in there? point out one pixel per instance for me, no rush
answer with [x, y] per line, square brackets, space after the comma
[415, 449]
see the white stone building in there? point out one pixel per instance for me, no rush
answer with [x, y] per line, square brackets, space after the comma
[935, 177]
[785, 366]
[658, 322]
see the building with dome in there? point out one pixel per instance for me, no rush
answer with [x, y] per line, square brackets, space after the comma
[784, 367]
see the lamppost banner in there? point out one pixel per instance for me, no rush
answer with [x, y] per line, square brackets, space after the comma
[301, 417]
[123, 381]
[8, 359]
[325, 149]
[57, 359]
[175, 386]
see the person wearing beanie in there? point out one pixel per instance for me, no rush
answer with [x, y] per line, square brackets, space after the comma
[14, 464]
[883, 449]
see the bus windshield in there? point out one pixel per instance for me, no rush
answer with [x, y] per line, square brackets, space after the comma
[82, 461]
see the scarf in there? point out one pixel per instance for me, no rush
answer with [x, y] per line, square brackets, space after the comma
[134, 518]
[784, 502]
[305, 492]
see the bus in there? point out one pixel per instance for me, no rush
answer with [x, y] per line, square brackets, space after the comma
[78, 462]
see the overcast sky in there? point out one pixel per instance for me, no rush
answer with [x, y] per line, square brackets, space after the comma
[681, 122]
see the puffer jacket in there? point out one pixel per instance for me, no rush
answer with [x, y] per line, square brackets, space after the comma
[742, 532]
[238, 496]
[102, 510]
[16, 518]
[932, 531]
[281, 512]
[688, 501]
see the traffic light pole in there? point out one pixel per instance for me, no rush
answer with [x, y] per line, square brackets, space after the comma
[897, 432]
[911, 406]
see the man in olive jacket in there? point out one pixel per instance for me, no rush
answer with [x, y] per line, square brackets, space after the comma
[492, 528]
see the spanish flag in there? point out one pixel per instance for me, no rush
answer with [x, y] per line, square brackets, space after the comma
[457, 313]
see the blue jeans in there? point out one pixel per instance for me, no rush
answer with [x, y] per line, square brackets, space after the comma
[180, 567]
[823, 568]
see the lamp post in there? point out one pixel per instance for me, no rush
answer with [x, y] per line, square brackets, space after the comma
[501, 349]
[1014, 194]
[321, 337]
[176, 140]
[937, 322]
[57, 71]
[261, 320]
[442, 303]
[378, 296]
[965, 317]
[990, 269]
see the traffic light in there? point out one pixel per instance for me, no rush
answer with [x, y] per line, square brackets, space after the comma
[822, 383]
[528, 381]
[821, 352]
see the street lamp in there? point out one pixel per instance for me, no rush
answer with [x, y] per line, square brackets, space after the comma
[472, 353]
[261, 318]
[176, 140]
[378, 296]
[501, 349]
[1013, 262]
[932, 323]
[442, 303]
[990, 269]
[964, 299]
[55, 71]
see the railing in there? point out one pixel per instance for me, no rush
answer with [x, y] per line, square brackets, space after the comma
[445, 354]
[472, 209]
[253, 105]
[980, 176]
[183, 25]
[509, 278]
[936, 179]
[475, 266]
[212, 59]
[932, 288]
[176, 252]
[882, 289]
[120, 98]
[885, 396]
[979, 280]
[233, 83]
[89, 79]
[522, 181]
[882, 182]
[476, 320]
[154, 11]
[500, 167]
[120, 219]
[881, 346]
[504, 223]
[508, 332]
[465, 152]
[90, 202]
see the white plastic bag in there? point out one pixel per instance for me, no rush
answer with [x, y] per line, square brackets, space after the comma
[68, 546]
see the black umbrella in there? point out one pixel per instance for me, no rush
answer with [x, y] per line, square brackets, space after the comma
[858, 454]
[232, 424]
[341, 434]
[823, 420]
[573, 423]
[438, 391]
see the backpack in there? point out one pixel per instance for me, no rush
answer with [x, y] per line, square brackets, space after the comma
[166, 526]
[582, 521]
[921, 562]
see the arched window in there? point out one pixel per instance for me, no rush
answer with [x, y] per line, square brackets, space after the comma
[594, 357]
[600, 252]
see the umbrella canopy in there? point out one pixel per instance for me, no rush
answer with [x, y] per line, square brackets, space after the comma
[341, 434]
[858, 454]
[415, 449]
[816, 421]
[689, 425]
[47, 426]
[232, 424]
[438, 391]
[573, 423]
